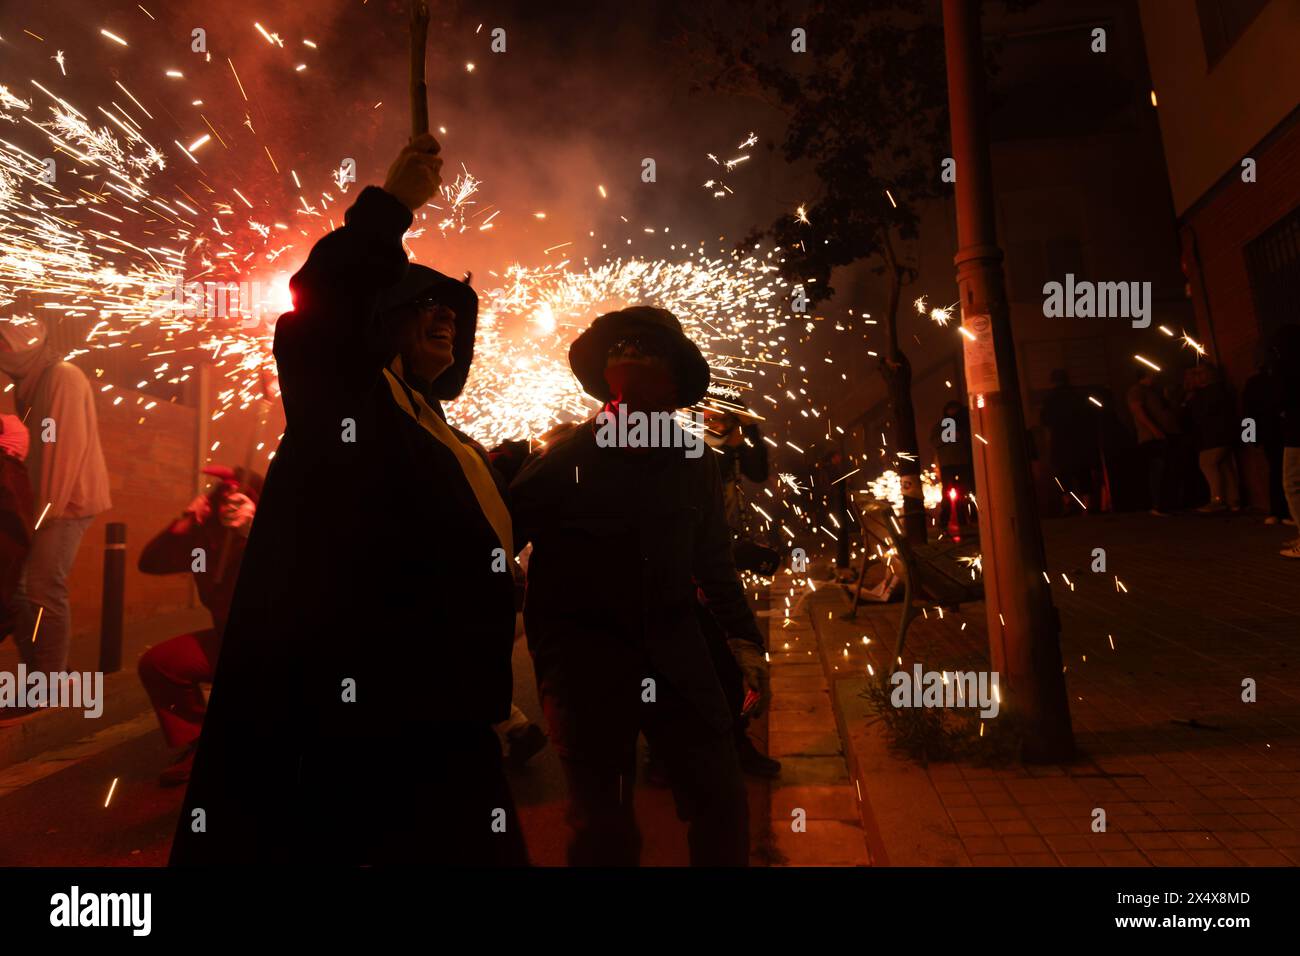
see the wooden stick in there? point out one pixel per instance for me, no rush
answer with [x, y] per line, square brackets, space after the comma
[419, 90]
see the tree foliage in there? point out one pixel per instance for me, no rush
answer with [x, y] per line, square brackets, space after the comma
[866, 107]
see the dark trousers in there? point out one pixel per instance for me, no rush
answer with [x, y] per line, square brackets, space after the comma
[1277, 506]
[1155, 453]
[437, 796]
[171, 673]
[1166, 464]
[961, 477]
[702, 767]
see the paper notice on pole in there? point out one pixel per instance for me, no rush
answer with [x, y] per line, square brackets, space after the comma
[981, 359]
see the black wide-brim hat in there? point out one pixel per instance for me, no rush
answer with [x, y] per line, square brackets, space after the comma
[421, 282]
[589, 350]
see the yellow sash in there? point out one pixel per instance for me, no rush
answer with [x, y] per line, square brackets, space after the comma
[475, 469]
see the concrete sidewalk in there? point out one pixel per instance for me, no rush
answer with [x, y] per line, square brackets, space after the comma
[23, 738]
[816, 810]
[1187, 773]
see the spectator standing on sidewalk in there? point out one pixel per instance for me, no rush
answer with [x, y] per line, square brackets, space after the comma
[207, 540]
[952, 450]
[1262, 403]
[1288, 358]
[1212, 413]
[1159, 438]
[1073, 433]
[69, 481]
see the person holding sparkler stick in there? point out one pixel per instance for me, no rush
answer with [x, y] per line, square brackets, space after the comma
[367, 655]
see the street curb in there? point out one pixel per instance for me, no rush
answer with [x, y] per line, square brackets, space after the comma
[903, 817]
[26, 737]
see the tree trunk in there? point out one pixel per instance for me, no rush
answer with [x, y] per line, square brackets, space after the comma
[897, 373]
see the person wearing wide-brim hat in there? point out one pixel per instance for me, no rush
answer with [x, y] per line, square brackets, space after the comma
[589, 353]
[622, 539]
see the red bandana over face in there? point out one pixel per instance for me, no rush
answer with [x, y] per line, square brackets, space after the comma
[642, 386]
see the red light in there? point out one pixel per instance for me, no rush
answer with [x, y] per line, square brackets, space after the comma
[952, 494]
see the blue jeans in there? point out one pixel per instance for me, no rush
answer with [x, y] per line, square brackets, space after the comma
[43, 592]
[1291, 481]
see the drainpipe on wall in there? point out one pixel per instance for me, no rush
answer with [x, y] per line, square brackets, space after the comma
[1190, 243]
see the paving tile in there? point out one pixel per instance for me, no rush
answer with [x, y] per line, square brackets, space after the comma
[978, 845]
[826, 843]
[975, 828]
[1213, 858]
[1262, 857]
[824, 802]
[1025, 844]
[784, 743]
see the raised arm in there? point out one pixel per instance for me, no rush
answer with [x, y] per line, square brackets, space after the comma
[334, 327]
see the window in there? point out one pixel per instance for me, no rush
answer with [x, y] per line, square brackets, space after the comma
[1223, 22]
[1273, 263]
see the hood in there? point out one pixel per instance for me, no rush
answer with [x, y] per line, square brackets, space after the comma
[28, 354]
[25, 346]
[421, 281]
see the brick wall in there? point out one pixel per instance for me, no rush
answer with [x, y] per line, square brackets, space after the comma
[1223, 222]
[151, 466]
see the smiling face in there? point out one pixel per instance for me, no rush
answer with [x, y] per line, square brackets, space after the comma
[430, 335]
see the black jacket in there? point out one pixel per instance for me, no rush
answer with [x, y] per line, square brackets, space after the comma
[621, 543]
[16, 520]
[369, 561]
[171, 551]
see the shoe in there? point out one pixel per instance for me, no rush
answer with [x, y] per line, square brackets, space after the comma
[1159, 514]
[179, 772]
[1212, 507]
[1293, 551]
[1290, 521]
[752, 762]
[1271, 519]
[525, 745]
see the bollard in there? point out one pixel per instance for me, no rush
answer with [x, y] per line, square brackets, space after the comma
[114, 600]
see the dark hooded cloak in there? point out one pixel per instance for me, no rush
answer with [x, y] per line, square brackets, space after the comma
[370, 566]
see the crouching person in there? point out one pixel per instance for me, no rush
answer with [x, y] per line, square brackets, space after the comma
[207, 540]
[622, 536]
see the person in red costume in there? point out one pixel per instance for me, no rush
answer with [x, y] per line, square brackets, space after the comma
[207, 540]
[622, 539]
